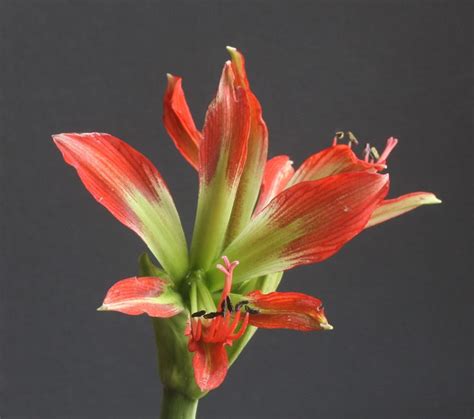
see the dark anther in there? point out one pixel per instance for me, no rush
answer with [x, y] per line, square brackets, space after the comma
[229, 304]
[213, 315]
[251, 310]
[239, 305]
[199, 313]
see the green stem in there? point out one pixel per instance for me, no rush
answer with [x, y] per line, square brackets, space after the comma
[175, 405]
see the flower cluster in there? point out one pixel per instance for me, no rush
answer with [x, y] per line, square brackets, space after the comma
[262, 214]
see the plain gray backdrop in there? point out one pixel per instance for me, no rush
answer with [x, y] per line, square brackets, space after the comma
[399, 295]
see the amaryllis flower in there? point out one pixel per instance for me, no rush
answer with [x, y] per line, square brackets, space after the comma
[261, 214]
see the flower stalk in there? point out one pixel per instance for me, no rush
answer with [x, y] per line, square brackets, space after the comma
[175, 405]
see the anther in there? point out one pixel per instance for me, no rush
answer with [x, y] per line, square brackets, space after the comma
[374, 153]
[251, 310]
[213, 315]
[239, 305]
[223, 306]
[198, 313]
[229, 304]
[352, 138]
[366, 152]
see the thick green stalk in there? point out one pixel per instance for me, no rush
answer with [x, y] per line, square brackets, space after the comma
[175, 405]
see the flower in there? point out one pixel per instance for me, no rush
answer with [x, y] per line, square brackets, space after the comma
[209, 333]
[262, 213]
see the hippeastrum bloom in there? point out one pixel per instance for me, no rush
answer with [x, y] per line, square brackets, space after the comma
[264, 215]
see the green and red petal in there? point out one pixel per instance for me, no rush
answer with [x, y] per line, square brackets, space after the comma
[131, 188]
[278, 172]
[306, 223]
[142, 295]
[339, 158]
[179, 122]
[251, 178]
[287, 310]
[392, 208]
[222, 153]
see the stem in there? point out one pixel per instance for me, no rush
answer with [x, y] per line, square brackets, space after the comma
[175, 405]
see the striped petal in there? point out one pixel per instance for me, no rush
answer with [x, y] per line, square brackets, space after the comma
[287, 310]
[392, 208]
[278, 172]
[210, 365]
[179, 122]
[142, 295]
[306, 223]
[222, 154]
[332, 161]
[131, 188]
[251, 179]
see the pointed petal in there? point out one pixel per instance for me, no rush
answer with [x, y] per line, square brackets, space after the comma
[131, 188]
[278, 172]
[139, 295]
[210, 365]
[179, 122]
[287, 310]
[223, 152]
[332, 161]
[251, 179]
[306, 223]
[392, 208]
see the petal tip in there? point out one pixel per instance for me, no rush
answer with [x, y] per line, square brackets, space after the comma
[433, 199]
[103, 307]
[326, 326]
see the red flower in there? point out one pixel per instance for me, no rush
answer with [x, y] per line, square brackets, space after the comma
[209, 336]
[263, 213]
[210, 333]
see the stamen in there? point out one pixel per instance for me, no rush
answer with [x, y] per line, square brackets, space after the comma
[352, 138]
[229, 304]
[239, 305]
[235, 322]
[367, 152]
[374, 153]
[198, 331]
[243, 328]
[251, 310]
[338, 136]
[198, 313]
[213, 315]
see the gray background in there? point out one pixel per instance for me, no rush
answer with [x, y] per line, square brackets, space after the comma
[399, 295]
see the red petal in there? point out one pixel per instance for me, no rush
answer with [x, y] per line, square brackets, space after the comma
[111, 171]
[287, 310]
[251, 179]
[331, 161]
[131, 188]
[139, 295]
[223, 153]
[306, 223]
[179, 122]
[278, 172]
[226, 131]
[210, 365]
